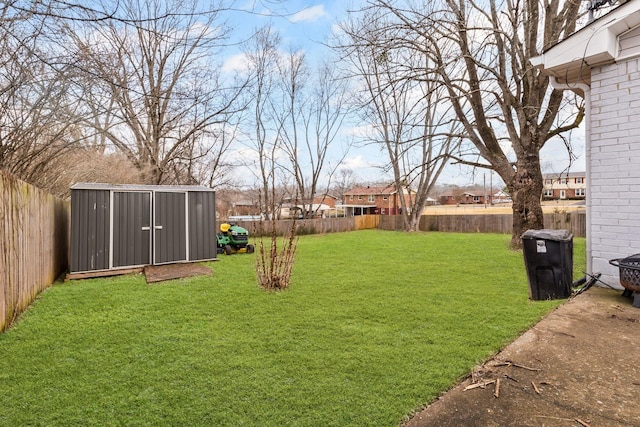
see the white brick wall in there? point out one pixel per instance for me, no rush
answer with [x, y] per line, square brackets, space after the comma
[614, 181]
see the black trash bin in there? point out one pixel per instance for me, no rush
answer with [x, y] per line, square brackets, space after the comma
[548, 256]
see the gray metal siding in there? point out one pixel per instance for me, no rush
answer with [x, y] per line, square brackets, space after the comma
[131, 229]
[116, 226]
[202, 225]
[89, 230]
[170, 225]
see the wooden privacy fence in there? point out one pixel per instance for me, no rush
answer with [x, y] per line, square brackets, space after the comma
[33, 244]
[304, 226]
[314, 226]
[575, 222]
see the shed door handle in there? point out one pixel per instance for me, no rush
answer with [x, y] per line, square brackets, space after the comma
[158, 227]
[146, 228]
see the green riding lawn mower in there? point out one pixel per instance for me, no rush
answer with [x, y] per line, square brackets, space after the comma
[233, 239]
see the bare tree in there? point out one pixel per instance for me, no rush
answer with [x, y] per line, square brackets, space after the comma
[514, 112]
[275, 255]
[311, 120]
[154, 72]
[405, 106]
[343, 181]
[262, 57]
[37, 119]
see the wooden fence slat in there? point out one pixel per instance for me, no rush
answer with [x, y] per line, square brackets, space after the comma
[33, 244]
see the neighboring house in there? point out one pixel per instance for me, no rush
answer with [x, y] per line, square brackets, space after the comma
[375, 201]
[601, 62]
[469, 198]
[321, 206]
[230, 203]
[572, 185]
[501, 196]
[462, 197]
[449, 198]
[245, 207]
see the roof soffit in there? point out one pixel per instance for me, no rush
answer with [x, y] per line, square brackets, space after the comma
[571, 60]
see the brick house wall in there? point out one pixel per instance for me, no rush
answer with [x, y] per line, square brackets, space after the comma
[614, 176]
[600, 62]
[377, 200]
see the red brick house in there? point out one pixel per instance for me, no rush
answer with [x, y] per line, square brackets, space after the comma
[375, 201]
[462, 198]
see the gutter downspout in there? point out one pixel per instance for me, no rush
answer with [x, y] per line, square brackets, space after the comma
[587, 149]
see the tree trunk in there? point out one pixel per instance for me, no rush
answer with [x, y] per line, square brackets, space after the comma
[414, 222]
[525, 188]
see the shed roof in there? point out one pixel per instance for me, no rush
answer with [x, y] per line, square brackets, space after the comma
[137, 187]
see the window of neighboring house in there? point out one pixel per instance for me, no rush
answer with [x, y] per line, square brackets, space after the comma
[385, 197]
[548, 193]
[548, 181]
[351, 197]
[563, 180]
[476, 198]
[579, 180]
[359, 197]
[580, 192]
[372, 198]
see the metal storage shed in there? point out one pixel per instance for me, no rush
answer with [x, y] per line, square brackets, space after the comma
[124, 226]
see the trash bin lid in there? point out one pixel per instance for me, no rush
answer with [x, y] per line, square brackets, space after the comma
[545, 234]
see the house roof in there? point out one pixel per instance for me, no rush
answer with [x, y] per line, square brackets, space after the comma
[315, 207]
[357, 191]
[559, 175]
[570, 61]
[362, 191]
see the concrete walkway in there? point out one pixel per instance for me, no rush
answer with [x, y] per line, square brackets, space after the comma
[579, 366]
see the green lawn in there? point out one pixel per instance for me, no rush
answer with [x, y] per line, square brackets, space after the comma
[375, 324]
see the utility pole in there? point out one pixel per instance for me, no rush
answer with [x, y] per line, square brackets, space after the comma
[484, 186]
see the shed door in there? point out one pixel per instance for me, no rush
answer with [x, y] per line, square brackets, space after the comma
[89, 230]
[131, 229]
[202, 225]
[170, 227]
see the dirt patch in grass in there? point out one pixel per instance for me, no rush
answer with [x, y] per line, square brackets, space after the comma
[159, 273]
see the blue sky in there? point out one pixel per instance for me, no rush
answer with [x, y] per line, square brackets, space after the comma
[307, 25]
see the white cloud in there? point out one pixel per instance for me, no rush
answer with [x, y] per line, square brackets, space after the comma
[355, 162]
[309, 14]
[235, 63]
